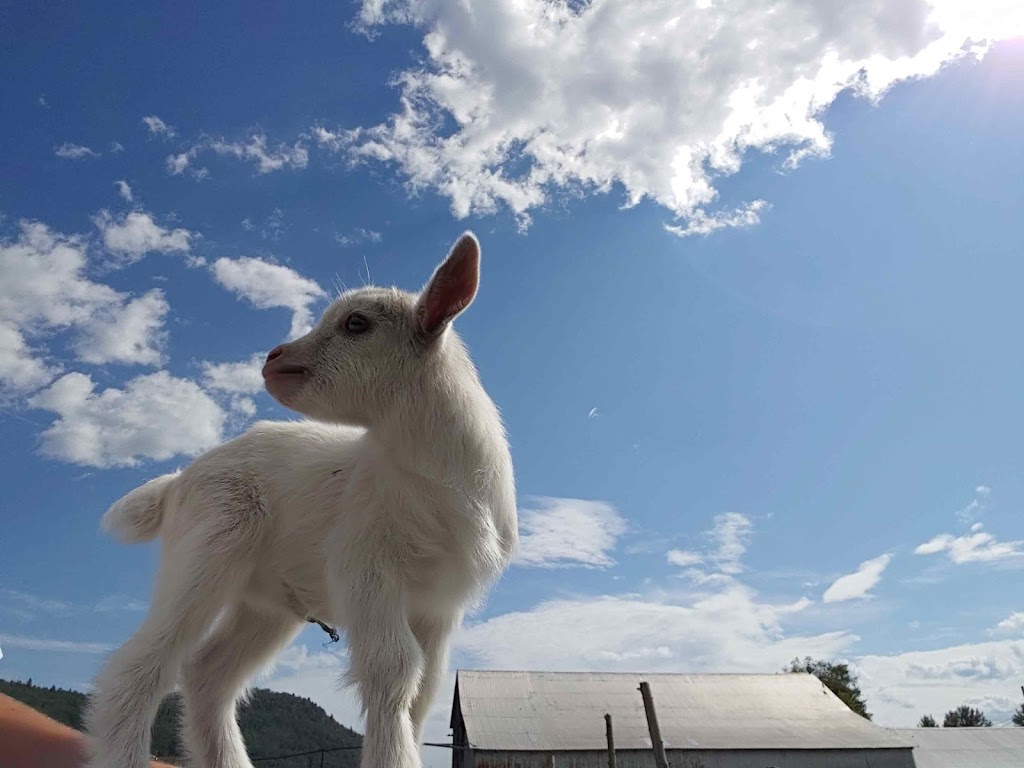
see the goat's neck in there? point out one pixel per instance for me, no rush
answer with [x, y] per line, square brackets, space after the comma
[452, 433]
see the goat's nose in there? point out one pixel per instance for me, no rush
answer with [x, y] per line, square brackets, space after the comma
[275, 352]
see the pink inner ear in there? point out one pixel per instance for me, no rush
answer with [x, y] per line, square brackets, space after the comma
[453, 286]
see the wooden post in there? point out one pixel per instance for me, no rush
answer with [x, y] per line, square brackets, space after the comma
[611, 740]
[652, 725]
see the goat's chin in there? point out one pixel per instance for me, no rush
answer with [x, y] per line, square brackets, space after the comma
[286, 390]
[294, 399]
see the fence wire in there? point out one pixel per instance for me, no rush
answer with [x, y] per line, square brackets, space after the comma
[334, 757]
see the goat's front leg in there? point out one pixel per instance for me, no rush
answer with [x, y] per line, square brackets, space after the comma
[386, 664]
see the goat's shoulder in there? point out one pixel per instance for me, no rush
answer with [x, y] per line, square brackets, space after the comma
[268, 448]
[304, 430]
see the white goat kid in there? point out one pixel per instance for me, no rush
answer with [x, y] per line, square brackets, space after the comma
[386, 517]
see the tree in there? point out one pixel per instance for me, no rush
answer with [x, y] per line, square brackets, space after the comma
[1018, 715]
[966, 717]
[927, 721]
[837, 678]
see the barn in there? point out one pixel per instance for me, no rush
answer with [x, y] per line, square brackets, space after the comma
[536, 719]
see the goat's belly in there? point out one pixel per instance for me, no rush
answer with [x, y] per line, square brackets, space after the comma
[434, 582]
[300, 592]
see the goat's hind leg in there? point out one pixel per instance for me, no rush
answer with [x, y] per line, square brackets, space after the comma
[214, 678]
[432, 633]
[195, 580]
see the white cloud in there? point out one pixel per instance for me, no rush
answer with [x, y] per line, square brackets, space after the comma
[242, 407]
[135, 234]
[722, 625]
[243, 377]
[684, 558]
[703, 223]
[732, 533]
[973, 547]
[178, 164]
[115, 603]
[359, 235]
[35, 604]
[977, 507]
[21, 368]
[116, 146]
[71, 151]
[267, 285]
[158, 127]
[47, 645]
[125, 190]
[935, 681]
[128, 333]
[44, 280]
[45, 290]
[254, 149]
[728, 539]
[28, 606]
[330, 140]
[566, 532]
[296, 657]
[935, 545]
[271, 228]
[519, 98]
[121, 427]
[858, 585]
[727, 629]
[1011, 625]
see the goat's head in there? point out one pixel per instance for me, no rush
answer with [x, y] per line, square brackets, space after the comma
[373, 344]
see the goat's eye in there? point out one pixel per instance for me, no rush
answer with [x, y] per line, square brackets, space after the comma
[357, 323]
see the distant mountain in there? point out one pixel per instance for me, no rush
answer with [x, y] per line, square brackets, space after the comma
[272, 724]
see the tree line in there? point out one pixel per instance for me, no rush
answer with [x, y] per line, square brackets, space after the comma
[843, 683]
[272, 723]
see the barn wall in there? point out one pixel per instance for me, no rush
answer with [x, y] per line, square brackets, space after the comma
[804, 758]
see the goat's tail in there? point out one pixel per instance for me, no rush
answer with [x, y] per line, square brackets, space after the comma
[136, 516]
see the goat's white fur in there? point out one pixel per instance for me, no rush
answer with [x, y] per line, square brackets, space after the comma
[387, 516]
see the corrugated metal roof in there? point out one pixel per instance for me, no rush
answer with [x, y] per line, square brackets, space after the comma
[565, 711]
[966, 747]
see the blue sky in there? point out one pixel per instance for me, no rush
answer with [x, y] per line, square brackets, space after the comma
[752, 320]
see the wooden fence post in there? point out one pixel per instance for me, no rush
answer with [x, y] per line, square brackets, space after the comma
[660, 760]
[611, 740]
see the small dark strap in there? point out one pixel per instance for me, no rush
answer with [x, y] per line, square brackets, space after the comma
[331, 631]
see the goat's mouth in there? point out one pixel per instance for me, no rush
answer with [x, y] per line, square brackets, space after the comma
[283, 381]
[271, 371]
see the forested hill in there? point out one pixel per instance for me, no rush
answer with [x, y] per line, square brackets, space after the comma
[272, 723]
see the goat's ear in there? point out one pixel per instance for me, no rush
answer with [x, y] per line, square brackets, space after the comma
[451, 289]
